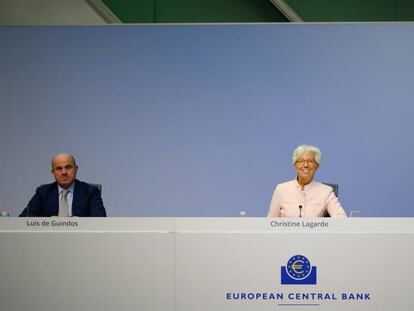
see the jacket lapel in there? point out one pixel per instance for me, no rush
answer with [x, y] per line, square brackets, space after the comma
[78, 199]
[52, 204]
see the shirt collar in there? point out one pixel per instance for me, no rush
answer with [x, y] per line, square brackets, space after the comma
[70, 189]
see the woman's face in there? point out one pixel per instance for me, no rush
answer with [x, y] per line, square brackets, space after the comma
[306, 167]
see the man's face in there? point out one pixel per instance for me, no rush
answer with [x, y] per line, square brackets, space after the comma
[64, 170]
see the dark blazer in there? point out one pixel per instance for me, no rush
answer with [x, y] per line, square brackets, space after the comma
[87, 201]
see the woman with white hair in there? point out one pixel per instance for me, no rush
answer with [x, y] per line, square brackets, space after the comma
[304, 197]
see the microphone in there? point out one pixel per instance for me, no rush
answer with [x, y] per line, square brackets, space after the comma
[300, 211]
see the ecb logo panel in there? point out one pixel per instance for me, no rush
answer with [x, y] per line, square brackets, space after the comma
[298, 271]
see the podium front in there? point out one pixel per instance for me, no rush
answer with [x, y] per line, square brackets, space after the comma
[86, 264]
[206, 264]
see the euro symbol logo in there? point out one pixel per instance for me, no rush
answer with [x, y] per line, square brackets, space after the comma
[298, 271]
[297, 266]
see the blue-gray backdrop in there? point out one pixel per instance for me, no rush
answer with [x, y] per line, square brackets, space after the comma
[201, 120]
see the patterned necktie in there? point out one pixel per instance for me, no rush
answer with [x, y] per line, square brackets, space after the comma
[63, 204]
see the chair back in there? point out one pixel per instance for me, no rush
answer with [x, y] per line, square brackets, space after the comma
[335, 188]
[99, 186]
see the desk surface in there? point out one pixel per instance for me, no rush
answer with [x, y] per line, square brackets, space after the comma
[206, 224]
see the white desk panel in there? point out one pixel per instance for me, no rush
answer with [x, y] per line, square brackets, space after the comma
[185, 264]
[209, 266]
[223, 256]
[94, 266]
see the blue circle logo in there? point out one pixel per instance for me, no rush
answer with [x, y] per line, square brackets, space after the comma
[298, 267]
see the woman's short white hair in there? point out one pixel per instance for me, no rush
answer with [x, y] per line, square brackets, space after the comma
[300, 150]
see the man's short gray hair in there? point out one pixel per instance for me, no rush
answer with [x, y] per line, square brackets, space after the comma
[300, 150]
[65, 154]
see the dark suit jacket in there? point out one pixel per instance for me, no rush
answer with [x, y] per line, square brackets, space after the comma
[87, 201]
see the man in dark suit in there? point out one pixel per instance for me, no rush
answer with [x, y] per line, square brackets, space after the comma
[67, 196]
